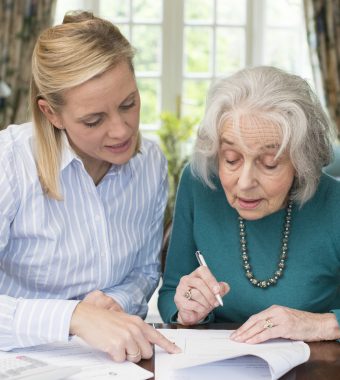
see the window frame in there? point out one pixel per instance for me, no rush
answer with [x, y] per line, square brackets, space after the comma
[171, 76]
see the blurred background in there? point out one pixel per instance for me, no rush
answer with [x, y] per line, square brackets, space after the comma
[182, 45]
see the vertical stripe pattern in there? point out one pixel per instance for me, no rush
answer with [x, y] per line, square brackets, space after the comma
[53, 253]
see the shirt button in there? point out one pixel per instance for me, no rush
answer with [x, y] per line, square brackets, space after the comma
[97, 218]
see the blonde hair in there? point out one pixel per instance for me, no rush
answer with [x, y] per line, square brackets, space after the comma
[66, 56]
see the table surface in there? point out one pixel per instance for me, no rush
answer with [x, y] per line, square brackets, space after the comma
[323, 364]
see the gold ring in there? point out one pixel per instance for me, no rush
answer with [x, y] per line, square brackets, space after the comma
[268, 324]
[134, 355]
[188, 295]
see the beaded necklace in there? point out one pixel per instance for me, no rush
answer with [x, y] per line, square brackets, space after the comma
[283, 253]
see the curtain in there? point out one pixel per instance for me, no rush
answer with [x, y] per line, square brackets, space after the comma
[20, 23]
[323, 30]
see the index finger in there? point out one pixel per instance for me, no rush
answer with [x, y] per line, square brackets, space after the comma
[156, 337]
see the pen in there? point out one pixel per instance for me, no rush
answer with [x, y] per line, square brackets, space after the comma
[202, 262]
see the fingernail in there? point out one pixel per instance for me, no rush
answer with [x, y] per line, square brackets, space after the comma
[216, 289]
[216, 304]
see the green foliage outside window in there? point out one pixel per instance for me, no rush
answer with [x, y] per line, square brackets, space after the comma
[174, 134]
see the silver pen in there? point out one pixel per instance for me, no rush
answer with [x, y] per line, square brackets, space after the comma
[202, 262]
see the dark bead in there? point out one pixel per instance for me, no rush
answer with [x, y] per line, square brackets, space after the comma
[283, 255]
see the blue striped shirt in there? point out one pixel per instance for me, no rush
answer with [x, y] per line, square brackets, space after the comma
[53, 253]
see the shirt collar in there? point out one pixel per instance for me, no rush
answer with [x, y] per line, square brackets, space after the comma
[67, 153]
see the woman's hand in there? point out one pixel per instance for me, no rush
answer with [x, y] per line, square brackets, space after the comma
[100, 299]
[283, 322]
[122, 336]
[195, 295]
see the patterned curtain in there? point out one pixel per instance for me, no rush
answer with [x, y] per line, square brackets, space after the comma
[323, 28]
[20, 23]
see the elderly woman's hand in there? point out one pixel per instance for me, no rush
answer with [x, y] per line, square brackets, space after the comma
[284, 322]
[195, 295]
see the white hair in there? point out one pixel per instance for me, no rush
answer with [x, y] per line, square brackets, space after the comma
[284, 100]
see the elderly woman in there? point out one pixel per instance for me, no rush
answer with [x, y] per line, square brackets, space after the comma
[254, 201]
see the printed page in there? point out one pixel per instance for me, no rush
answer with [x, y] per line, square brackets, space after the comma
[210, 348]
[94, 364]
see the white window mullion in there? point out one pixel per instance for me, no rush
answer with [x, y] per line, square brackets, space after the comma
[172, 62]
[91, 5]
[255, 30]
[214, 36]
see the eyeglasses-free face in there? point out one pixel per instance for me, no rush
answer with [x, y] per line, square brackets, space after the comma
[255, 181]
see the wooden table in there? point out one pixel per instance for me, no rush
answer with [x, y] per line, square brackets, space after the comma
[323, 364]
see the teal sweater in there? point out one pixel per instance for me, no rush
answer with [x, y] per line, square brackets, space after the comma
[204, 221]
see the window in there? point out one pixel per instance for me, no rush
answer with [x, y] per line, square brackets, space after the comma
[182, 45]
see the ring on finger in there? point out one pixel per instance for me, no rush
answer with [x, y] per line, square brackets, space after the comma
[268, 324]
[188, 294]
[133, 356]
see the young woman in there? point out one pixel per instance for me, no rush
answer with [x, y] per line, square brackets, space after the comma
[82, 197]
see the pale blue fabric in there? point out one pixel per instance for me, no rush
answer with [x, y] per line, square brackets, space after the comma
[53, 253]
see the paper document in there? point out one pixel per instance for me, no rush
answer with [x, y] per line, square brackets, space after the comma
[94, 364]
[205, 352]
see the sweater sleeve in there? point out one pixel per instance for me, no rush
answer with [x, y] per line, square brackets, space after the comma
[180, 259]
[333, 210]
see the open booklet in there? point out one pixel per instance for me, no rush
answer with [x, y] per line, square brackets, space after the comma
[209, 354]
